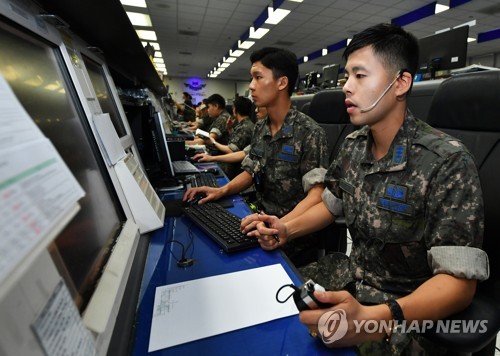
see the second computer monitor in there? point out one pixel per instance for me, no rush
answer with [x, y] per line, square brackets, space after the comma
[330, 75]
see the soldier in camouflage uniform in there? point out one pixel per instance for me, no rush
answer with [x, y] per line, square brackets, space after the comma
[218, 129]
[239, 138]
[412, 201]
[288, 155]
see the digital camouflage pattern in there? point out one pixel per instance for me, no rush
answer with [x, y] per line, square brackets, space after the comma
[424, 193]
[281, 162]
[238, 140]
[219, 127]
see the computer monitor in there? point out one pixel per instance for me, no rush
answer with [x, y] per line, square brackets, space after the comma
[330, 75]
[103, 93]
[30, 64]
[443, 51]
[164, 175]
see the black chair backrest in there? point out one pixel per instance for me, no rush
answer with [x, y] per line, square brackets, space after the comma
[305, 108]
[300, 100]
[467, 107]
[420, 98]
[329, 111]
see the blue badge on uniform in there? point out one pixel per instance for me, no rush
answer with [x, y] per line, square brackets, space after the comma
[398, 154]
[288, 149]
[395, 206]
[397, 192]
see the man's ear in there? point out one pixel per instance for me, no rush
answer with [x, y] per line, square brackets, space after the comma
[282, 83]
[404, 83]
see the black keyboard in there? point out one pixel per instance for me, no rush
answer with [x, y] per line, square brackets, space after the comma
[221, 225]
[204, 179]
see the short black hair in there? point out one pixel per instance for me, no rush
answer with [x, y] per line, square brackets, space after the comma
[242, 106]
[217, 99]
[282, 62]
[397, 48]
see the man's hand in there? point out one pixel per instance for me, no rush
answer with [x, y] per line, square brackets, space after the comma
[355, 314]
[211, 194]
[265, 227]
[203, 157]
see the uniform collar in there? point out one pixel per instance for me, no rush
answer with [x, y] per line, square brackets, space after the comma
[397, 157]
[287, 128]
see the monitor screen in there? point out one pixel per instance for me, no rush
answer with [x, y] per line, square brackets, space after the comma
[331, 75]
[34, 69]
[443, 51]
[164, 174]
[103, 92]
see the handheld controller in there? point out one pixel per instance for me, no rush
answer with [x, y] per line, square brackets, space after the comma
[304, 296]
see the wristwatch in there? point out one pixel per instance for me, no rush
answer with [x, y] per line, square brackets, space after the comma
[397, 316]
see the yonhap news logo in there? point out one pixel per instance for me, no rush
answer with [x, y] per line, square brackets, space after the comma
[333, 325]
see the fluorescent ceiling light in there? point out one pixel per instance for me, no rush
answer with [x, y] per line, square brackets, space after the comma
[229, 59]
[236, 53]
[470, 39]
[138, 19]
[324, 52]
[306, 58]
[440, 8]
[136, 3]
[275, 16]
[469, 23]
[158, 54]
[442, 30]
[245, 44]
[224, 65]
[259, 33]
[155, 45]
[296, 0]
[146, 35]
[348, 41]
[158, 60]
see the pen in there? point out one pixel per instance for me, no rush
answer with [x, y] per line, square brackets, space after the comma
[260, 212]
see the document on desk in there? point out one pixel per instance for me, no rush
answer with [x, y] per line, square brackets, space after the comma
[200, 308]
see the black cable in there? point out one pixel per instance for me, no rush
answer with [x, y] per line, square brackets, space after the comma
[279, 290]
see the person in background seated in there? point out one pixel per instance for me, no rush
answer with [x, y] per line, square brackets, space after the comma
[216, 107]
[233, 157]
[202, 120]
[240, 136]
[186, 108]
[412, 201]
[288, 155]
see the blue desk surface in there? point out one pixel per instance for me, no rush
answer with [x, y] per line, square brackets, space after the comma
[286, 336]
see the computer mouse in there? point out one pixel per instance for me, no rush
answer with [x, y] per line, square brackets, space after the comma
[196, 199]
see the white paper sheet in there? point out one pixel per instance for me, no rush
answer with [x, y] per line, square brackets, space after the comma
[37, 190]
[210, 306]
[60, 329]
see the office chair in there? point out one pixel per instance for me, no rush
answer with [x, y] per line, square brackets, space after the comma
[328, 109]
[467, 107]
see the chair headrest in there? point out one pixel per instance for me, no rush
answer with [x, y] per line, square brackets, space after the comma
[468, 102]
[328, 107]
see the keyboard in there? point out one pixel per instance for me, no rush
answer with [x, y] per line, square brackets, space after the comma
[220, 225]
[203, 179]
[184, 167]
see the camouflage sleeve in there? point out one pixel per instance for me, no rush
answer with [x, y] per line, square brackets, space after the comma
[240, 137]
[315, 151]
[219, 126]
[313, 177]
[332, 195]
[455, 219]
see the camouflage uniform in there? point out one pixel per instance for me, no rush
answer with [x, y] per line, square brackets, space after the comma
[219, 127]
[238, 140]
[205, 122]
[288, 164]
[415, 213]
